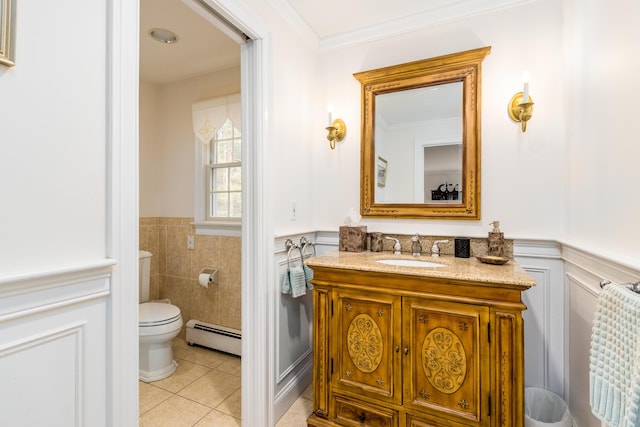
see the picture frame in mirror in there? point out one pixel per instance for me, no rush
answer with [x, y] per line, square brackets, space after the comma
[382, 172]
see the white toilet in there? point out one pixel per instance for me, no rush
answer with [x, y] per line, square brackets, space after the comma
[159, 323]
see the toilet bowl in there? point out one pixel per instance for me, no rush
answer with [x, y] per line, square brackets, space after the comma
[158, 324]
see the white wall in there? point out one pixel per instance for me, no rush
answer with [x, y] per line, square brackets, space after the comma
[516, 168]
[167, 140]
[294, 133]
[149, 153]
[602, 89]
[52, 143]
[67, 165]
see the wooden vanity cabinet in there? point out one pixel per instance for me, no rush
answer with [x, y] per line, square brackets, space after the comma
[394, 350]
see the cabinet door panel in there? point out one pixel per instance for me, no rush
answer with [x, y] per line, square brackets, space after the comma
[447, 361]
[367, 344]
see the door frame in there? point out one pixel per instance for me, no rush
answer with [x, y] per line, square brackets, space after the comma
[122, 213]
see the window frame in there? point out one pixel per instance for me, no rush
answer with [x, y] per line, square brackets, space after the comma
[204, 225]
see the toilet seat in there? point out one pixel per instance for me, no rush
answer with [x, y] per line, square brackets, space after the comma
[151, 314]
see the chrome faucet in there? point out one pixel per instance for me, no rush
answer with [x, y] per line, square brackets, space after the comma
[416, 247]
[435, 249]
[397, 249]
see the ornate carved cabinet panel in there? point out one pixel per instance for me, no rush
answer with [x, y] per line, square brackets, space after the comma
[447, 362]
[367, 340]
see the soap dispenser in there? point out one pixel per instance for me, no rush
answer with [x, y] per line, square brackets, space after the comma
[496, 240]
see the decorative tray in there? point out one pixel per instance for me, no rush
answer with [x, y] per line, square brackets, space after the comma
[492, 259]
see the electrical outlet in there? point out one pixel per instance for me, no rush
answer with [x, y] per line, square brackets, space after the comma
[191, 242]
[294, 213]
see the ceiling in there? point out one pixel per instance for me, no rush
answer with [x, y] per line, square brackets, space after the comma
[202, 48]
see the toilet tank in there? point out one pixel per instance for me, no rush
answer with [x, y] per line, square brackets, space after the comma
[144, 275]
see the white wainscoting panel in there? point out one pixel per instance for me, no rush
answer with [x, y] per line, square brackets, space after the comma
[42, 378]
[544, 317]
[294, 327]
[54, 347]
[583, 273]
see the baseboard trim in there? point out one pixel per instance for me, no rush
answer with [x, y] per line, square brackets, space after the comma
[293, 389]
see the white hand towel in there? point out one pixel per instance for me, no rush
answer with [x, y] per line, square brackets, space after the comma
[615, 358]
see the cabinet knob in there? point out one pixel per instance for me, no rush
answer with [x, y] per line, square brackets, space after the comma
[406, 350]
[362, 418]
[397, 349]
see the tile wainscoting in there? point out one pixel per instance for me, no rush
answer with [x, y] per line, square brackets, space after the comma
[175, 269]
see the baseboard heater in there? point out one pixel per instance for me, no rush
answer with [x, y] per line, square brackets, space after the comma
[214, 336]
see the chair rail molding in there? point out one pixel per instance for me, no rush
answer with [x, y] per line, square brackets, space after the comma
[33, 293]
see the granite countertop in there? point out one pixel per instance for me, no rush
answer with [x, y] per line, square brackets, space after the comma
[469, 269]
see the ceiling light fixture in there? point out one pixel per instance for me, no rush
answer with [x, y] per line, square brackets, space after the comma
[163, 36]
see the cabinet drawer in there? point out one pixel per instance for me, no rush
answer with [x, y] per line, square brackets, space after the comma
[358, 414]
[413, 421]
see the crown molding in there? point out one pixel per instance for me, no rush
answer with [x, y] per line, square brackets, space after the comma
[297, 22]
[420, 21]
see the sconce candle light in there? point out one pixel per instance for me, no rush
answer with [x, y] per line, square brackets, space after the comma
[521, 104]
[336, 128]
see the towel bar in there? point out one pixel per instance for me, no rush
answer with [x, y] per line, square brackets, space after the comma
[304, 243]
[635, 287]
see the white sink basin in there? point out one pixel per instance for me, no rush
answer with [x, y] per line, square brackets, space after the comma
[410, 263]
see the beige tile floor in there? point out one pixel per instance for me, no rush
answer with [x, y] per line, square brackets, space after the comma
[204, 391]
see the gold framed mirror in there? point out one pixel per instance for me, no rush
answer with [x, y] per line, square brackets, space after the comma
[423, 120]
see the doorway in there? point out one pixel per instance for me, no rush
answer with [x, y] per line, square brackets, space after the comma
[256, 388]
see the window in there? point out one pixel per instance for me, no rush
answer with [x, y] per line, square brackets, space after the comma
[224, 173]
[217, 125]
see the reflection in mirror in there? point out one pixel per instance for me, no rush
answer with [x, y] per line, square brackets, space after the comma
[420, 129]
[420, 150]
[442, 174]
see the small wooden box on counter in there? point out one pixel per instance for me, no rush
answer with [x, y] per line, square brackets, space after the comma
[353, 239]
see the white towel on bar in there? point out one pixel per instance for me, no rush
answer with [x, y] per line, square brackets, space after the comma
[614, 376]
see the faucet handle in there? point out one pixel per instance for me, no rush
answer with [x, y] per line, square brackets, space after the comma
[397, 249]
[435, 249]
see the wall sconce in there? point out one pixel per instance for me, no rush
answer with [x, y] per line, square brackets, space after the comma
[521, 105]
[337, 129]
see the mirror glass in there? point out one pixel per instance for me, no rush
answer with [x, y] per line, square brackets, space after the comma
[420, 138]
[420, 129]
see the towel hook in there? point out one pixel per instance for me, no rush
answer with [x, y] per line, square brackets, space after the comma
[304, 242]
[292, 247]
[304, 247]
[288, 243]
[634, 287]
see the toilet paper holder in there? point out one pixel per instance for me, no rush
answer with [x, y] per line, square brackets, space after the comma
[211, 274]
